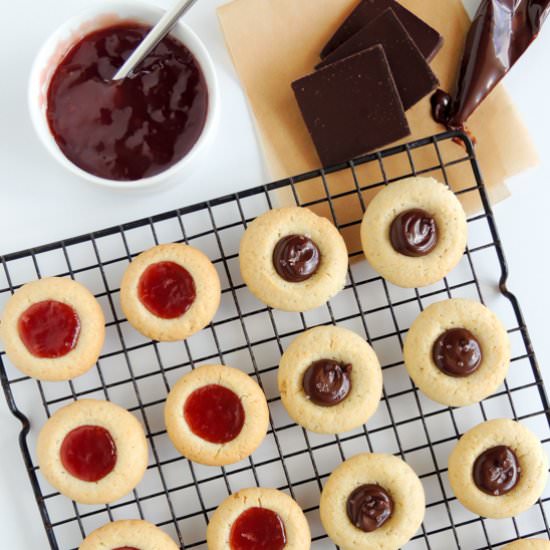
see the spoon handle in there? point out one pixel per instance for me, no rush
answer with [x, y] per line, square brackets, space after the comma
[155, 35]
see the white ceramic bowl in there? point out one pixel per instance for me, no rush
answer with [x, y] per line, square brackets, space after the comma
[71, 32]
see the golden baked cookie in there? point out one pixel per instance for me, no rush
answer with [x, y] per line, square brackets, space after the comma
[372, 502]
[53, 329]
[128, 534]
[414, 232]
[330, 380]
[93, 452]
[457, 352]
[293, 259]
[528, 544]
[216, 415]
[170, 292]
[267, 516]
[498, 469]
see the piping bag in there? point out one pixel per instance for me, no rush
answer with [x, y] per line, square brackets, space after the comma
[501, 32]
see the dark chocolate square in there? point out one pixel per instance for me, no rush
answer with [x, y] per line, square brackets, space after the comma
[352, 106]
[412, 74]
[428, 40]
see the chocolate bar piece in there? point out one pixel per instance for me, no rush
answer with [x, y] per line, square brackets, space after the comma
[412, 74]
[351, 106]
[428, 40]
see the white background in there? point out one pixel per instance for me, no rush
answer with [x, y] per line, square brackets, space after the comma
[40, 202]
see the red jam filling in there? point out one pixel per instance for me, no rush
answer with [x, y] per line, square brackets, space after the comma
[166, 289]
[214, 413]
[88, 453]
[258, 529]
[133, 128]
[49, 329]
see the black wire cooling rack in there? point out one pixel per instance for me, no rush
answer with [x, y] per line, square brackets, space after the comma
[136, 373]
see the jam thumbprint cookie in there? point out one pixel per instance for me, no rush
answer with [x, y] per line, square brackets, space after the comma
[293, 259]
[372, 502]
[255, 519]
[414, 232]
[330, 380]
[457, 352]
[93, 452]
[128, 534]
[498, 469]
[170, 292]
[528, 544]
[216, 415]
[53, 329]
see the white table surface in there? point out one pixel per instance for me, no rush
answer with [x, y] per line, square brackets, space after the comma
[40, 202]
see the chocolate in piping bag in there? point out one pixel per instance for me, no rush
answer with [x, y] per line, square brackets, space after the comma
[501, 32]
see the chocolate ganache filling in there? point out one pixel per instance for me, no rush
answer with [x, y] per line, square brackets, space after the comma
[296, 258]
[497, 471]
[457, 352]
[413, 233]
[327, 382]
[369, 507]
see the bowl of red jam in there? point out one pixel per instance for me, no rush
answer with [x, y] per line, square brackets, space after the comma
[127, 134]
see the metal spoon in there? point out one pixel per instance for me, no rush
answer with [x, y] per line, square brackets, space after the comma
[155, 35]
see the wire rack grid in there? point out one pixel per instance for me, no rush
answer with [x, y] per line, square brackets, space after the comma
[137, 373]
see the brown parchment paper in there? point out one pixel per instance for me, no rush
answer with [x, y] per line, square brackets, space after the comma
[273, 42]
